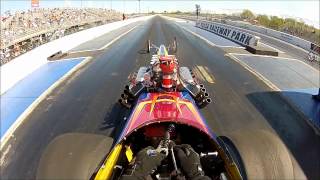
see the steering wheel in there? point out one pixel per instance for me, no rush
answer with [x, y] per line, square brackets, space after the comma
[167, 149]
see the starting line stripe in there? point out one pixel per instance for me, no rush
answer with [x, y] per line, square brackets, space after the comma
[254, 72]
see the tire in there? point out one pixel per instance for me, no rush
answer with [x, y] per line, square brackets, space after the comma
[148, 46]
[233, 154]
[259, 155]
[73, 156]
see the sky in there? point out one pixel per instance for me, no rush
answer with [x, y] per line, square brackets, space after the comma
[306, 10]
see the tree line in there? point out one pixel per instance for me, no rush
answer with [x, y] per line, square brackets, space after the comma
[288, 25]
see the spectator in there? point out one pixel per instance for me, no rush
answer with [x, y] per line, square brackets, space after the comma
[54, 23]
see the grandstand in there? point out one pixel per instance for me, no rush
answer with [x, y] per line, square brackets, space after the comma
[24, 30]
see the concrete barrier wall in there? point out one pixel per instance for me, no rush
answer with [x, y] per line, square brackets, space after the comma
[294, 40]
[229, 32]
[18, 68]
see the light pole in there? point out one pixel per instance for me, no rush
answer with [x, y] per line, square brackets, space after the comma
[124, 6]
[139, 7]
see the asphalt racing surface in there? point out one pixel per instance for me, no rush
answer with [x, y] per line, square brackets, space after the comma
[273, 139]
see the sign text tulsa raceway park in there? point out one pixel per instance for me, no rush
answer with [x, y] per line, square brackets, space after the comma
[230, 33]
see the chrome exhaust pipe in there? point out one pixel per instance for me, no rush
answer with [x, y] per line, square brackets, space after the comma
[199, 97]
[128, 93]
[202, 97]
[203, 90]
[201, 85]
[127, 97]
[204, 102]
[124, 96]
[125, 103]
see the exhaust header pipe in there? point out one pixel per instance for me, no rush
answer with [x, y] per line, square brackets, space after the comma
[124, 96]
[124, 103]
[205, 102]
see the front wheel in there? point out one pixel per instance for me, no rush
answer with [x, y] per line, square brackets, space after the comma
[259, 154]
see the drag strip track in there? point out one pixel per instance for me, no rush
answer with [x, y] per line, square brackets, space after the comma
[86, 102]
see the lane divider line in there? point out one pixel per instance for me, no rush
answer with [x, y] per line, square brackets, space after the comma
[117, 38]
[204, 39]
[275, 88]
[198, 74]
[275, 57]
[205, 74]
[231, 47]
[34, 104]
[262, 78]
[16, 124]
[302, 75]
[108, 44]
[82, 51]
[210, 43]
[272, 47]
[258, 75]
[254, 72]
[68, 59]
[197, 35]
[210, 73]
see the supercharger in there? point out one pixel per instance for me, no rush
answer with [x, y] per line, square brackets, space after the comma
[164, 75]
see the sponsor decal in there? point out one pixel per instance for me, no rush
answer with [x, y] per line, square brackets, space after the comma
[227, 32]
[34, 3]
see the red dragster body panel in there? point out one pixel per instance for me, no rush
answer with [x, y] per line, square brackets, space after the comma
[176, 107]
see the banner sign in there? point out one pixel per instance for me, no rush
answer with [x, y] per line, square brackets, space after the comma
[34, 3]
[233, 34]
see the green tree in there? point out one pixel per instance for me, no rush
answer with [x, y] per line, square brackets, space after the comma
[263, 20]
[290, 21]
[276, 22]
[247, 14]
[289, 25]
